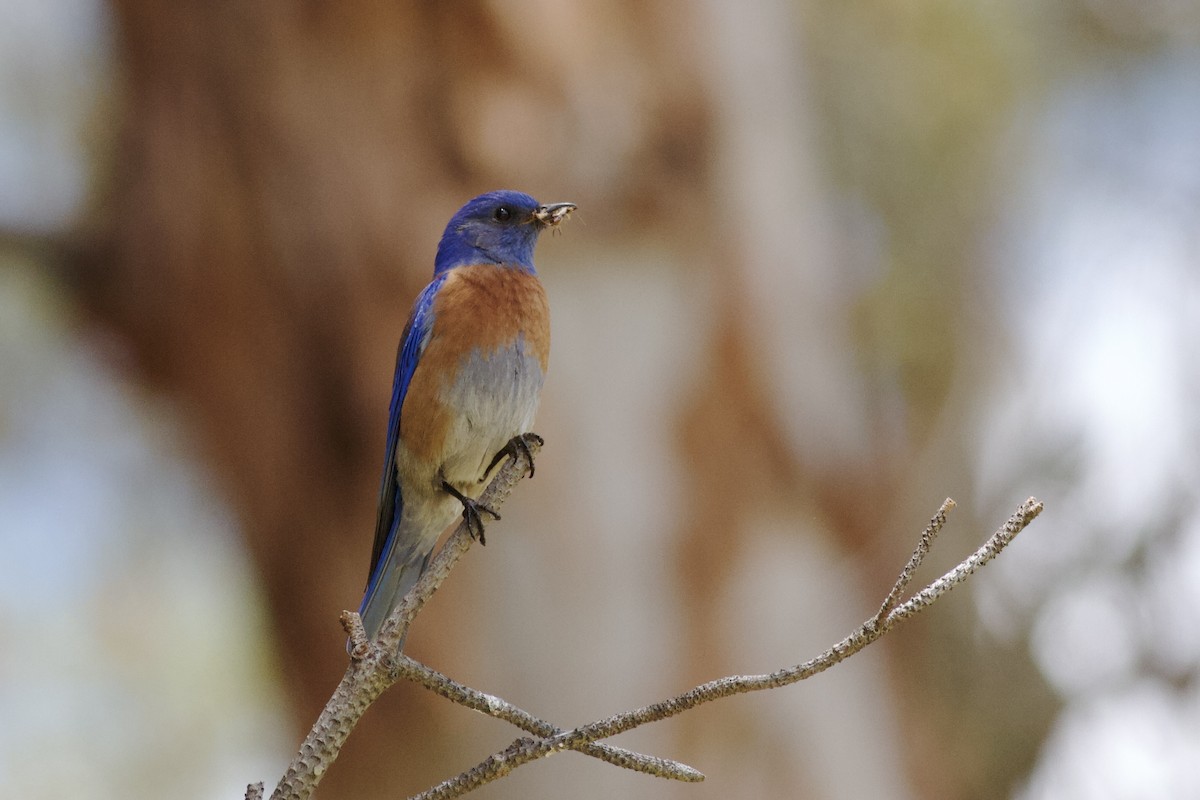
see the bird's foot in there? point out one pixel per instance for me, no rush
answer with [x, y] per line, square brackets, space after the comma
[517, 446]
[473, 512]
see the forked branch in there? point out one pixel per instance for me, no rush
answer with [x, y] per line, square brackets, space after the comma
[375, 666]
[525, 750]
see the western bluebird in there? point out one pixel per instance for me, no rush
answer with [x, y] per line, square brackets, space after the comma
[468, 373]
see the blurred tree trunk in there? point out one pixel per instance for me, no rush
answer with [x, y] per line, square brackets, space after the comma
[260, 270]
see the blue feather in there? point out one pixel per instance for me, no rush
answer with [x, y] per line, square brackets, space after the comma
[391, 502]
[473, 236]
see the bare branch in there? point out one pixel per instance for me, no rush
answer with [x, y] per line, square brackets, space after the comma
[493, 706]
[368, 674]
[526, 750]
[1026, 513]
[374, 666]
[360, 643]
[922, 550]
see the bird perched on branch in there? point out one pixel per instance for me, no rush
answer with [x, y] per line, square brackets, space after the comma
[468, 374]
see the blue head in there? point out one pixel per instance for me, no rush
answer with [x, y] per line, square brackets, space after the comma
[497, 227]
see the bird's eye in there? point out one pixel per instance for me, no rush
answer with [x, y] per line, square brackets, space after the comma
[501, 214]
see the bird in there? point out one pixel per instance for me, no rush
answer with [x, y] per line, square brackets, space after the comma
[469, 372]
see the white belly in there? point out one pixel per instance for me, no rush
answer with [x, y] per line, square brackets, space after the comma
[492, 400]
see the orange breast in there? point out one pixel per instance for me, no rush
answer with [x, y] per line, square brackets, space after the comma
[480, 307]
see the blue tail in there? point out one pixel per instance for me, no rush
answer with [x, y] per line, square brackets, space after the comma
[389, 588]
[400, 564]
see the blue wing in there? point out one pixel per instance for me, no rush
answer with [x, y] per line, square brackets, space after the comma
[391, 502]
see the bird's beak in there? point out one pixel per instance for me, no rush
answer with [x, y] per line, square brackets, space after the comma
[553, 213]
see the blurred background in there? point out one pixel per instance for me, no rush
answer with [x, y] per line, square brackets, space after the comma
[834, 261]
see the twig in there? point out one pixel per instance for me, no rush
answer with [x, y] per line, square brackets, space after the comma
[918, 555]
[374, 666]
[1026, 513]
[525, 750]
[367, 675]
[493, 706]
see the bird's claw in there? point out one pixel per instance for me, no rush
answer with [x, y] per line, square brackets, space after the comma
[517, 446]
[473, 512]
